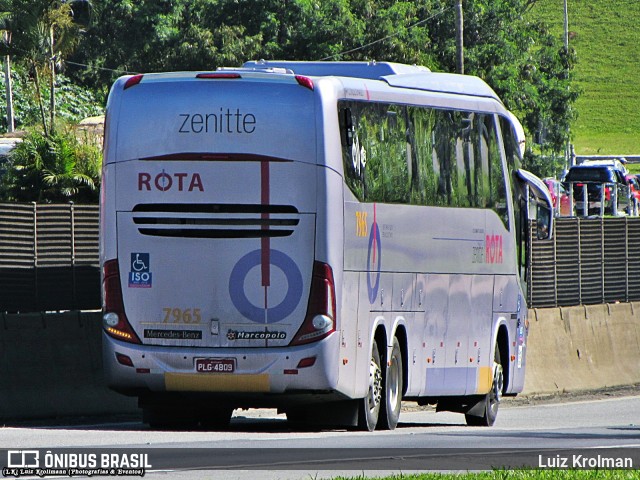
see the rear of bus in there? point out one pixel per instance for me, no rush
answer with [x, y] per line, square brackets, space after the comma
[215, 280]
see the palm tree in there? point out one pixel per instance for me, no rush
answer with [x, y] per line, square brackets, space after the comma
[43, 33]
[57, 168]
[5, 31]
[75, 173]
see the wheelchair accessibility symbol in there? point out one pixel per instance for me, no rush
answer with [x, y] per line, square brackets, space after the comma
[140, 274]
[265, 314]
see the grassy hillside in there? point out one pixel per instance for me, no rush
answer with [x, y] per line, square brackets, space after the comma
[606, 37]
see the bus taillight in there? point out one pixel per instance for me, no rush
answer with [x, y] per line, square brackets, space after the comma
[131, 81]
[115, 320]
[320, 320]
[218, 75]
[304, 81]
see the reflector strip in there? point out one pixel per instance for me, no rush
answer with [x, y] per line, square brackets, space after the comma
[124, 360]
[485, 378]
[194, 382]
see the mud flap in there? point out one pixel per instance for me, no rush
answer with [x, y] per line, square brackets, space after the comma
[478, 408]
[469, 405]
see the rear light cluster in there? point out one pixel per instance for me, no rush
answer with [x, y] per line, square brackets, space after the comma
[115, 320]
[218, 75]
[131, 81]
[320, 320]
[136, 79]
[304, 82]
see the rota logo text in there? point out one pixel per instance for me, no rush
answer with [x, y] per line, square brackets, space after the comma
[493, 249]
[164, 182]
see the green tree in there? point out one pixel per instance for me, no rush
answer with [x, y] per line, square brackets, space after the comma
[73, 102]
[528, 68]
[42, 34]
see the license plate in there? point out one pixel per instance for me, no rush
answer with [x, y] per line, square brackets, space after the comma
[215, 365]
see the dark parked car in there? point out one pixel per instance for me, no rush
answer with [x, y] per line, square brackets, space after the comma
[605, 187]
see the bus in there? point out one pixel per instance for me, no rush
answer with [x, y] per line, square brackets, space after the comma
[324, 238]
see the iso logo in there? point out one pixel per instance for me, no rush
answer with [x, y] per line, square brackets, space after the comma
[23, 459]
[140, 273]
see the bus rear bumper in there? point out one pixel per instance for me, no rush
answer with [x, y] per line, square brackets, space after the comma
[289, 370]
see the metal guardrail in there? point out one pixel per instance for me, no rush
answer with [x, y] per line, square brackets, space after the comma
[588, 261]
[49, 257]
[49, 260]
[580, 204]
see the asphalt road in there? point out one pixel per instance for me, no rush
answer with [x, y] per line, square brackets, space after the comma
[260, 444]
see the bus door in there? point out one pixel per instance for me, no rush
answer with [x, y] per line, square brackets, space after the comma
[534, 208]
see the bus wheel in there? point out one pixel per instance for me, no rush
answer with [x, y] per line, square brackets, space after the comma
[370, 405]
[392, 388]
[492, 399]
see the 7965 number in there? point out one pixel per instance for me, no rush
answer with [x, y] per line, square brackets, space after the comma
[179, 315]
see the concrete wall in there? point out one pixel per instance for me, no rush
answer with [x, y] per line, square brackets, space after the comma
[583, 348]
[51, 364]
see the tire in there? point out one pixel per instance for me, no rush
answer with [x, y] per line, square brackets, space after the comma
[392, 390]
[492, 399]
[369, 408]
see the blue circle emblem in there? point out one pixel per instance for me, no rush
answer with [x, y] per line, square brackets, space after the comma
[261, 314]
[375, 251]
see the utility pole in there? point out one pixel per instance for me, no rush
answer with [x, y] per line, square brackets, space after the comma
[459, 38]
[569, 157]
[7, 84]
[566, 26]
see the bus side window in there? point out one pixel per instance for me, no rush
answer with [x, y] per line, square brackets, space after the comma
[498, 193]
[425, 166]
[422, 156]
[346, 127]
[512, 153]
[352, 154]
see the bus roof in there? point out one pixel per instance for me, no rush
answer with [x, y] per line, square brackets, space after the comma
[394, 74]
[443, 83]
[370, 70]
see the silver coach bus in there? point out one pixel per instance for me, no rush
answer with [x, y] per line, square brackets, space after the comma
[322, 238]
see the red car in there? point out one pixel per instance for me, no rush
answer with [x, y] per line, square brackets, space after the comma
[557, 190]
[634, 187]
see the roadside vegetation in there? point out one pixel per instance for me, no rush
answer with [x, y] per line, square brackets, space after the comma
[553, 474]
[65, 54]
[53, 163]
[55, 168]
[605, 36]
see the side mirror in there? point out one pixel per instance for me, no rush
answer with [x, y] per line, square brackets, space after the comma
[539, 205]
[543, 221]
